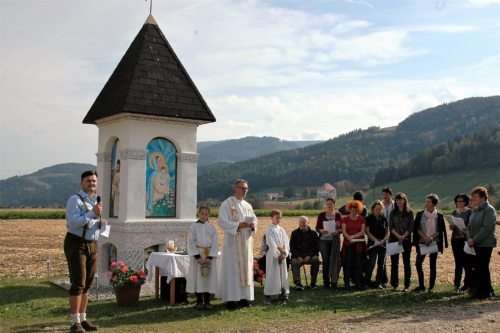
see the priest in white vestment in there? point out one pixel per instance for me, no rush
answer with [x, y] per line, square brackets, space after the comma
[235, 267]
[203, 247]
[276, 281]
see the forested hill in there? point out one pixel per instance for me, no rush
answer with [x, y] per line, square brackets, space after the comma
[358, 155]
[48, 187]
[243, 149]
[474, 151]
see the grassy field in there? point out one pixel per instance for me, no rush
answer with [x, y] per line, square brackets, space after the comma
[445, 186]
[34, 305]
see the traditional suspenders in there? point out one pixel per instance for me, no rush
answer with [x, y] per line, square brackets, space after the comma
[86, 210]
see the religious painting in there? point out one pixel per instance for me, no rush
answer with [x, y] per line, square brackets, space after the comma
[161, 170]
[114, 200]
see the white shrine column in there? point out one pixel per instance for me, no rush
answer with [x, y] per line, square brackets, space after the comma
[132, 184]
[187, 172]
[104, 175]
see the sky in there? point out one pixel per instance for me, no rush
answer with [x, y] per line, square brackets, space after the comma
[293, 69]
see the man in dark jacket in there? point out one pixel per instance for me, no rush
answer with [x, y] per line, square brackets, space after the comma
[304, 247]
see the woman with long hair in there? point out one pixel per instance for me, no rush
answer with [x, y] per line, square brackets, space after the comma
[377, 230]
[401, 227]
[329, 243]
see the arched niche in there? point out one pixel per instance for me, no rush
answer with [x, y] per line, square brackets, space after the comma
[109, 255]
[161, 178]
[114, 191]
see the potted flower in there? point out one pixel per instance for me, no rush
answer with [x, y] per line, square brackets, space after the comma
[126, 283]
[258, 273]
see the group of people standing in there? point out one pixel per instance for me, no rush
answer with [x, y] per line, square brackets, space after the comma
[340, 237]
[357, 241]
[392, 223]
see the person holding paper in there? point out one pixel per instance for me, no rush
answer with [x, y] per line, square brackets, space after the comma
[203, 247]
[401, 227]
[481, 235]
[354, 246]
[377, 230]
[80, 248]
[235, 267]
[304, 247]
[328, 228]
[428, 228]
[462, 264]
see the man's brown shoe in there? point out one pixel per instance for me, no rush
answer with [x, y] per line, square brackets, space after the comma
[76, 328]
[88, 326]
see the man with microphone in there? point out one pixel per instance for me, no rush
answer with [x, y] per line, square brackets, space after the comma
[83, 211]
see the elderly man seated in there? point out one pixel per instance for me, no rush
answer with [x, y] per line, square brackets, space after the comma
[304, 247]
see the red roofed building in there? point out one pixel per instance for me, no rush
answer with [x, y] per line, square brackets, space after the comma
[327, 190]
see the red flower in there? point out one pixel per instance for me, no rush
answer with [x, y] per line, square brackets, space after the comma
[261, 272]
[260, 279]
[140, 272]
[133, 278]
[120, 263]
[124, 269]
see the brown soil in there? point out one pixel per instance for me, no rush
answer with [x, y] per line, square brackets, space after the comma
[26, 245]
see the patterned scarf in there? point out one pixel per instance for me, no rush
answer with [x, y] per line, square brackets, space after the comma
[244, 261]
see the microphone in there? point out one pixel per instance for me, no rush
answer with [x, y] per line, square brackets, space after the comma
[98, 199]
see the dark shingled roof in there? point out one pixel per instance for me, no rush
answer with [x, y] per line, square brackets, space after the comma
[150, 80]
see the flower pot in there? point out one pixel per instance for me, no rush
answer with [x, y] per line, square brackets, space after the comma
[128, 294]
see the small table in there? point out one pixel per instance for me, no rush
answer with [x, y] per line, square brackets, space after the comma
[170, 264]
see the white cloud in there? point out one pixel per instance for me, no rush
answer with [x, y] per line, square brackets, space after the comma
[360, 2]
[264, 70]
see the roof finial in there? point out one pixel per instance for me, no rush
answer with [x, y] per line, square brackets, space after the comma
[150, 6]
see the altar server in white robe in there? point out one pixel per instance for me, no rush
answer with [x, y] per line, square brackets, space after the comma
[276, 281]
[203, 247]
[235, 267]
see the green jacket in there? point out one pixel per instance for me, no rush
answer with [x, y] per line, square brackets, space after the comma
[482, 225]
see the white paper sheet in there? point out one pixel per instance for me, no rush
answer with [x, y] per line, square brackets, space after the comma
[468, 249]
[456, 221]
[428, 249]
[394, 248]
[105, 229]
[329, 226]
[357, 240]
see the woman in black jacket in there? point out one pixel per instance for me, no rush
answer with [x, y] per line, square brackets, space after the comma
[428, 228]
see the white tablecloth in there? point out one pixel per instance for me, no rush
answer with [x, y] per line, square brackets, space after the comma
[170, 264]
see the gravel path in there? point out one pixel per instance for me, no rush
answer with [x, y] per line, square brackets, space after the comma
[480, 316]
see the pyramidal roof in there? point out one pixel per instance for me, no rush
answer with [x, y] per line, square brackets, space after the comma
[150, 80]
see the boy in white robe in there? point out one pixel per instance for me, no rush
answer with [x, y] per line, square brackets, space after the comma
[203, 246]
[276, 282]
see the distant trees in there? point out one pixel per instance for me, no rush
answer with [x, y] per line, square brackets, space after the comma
[474, 151]
[374, 155]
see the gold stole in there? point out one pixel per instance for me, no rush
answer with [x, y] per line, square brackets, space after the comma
[244, 262]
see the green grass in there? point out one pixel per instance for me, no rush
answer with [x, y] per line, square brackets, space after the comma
[446, 186]
[31, 213]
[35, 305]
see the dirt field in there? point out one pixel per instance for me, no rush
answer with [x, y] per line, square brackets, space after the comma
[26, 245]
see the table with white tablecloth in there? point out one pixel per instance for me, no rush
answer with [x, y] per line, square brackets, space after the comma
[167, 264]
